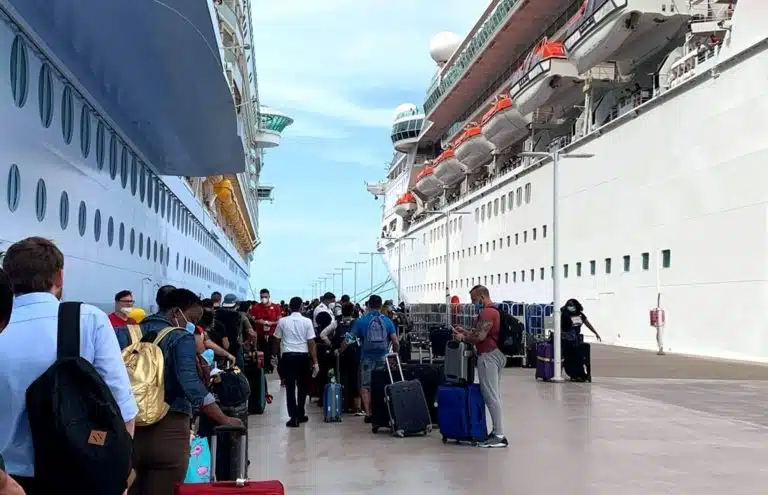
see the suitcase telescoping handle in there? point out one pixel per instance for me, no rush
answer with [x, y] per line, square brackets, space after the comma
[241, 431]
[399, 367]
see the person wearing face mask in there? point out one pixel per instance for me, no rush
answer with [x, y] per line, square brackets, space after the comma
[123, 306]
[161, 451]
[237, 328]
[266, 314]
[490, 360]
[575, 351]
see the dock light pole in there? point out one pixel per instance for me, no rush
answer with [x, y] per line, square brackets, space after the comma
[355, 263]
[555, 156]
[333, 276]
[399, 264]
[447, 214]
[371, 254]
[342, 270]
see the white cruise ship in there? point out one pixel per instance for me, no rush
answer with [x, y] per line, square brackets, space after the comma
[661, 104]
[133, 137]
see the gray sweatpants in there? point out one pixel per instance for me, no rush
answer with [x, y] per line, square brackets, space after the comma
[489, 368]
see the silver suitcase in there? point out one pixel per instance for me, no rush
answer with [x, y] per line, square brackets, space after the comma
[459, 362]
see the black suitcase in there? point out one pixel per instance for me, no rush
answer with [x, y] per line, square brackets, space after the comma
[431, 377]
[228, 455]
[439, 338]
[406, 404]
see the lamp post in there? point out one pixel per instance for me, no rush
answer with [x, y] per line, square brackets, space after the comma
[399, 264]
[555, 157]
[342, 270]
[372, 254]
[447, 215]
[355, 263]
[333, 277]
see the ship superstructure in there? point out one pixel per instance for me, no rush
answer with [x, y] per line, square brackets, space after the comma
[135, 138]
[663, 103]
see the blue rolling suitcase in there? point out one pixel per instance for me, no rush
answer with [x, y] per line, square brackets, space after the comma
[333, 401]
[461, 413]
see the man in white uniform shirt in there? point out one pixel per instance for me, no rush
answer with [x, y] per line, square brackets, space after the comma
[295, 337]
[324, 318]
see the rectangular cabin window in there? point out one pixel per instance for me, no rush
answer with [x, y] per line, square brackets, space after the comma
[517, 239]
[627, 261]
[525, 236]
[509, 240]
[646, 260]
[503, 204]
[541, 273]
[534, 234]
[477, 215]
[607, 266]
[496, 206]
[565, 270]
[482, 213]
[592, 267]
[522, 275]
[514, 277]
[528, 193]
[506, 278]
[519, 196]
[578, 269]
[666, 258]
[532, 275]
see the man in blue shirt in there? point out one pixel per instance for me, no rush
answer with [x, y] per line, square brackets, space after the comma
[35, 267]
[375, 331]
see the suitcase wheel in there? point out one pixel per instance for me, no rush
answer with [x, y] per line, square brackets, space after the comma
[474, 443]
[399, 433]
[428, 430]
[375, 429]
[445, 439]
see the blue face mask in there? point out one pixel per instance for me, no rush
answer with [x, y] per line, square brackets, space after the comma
[478, 306]
[571, 309]
[190, 327]
[208, 356]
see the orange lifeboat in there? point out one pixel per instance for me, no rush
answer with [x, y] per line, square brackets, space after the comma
[502, 125]
[405, 205]
[448, 169]
[427, 184]
[472, 149]
[546, 77]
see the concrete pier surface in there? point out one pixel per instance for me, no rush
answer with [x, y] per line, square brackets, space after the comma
[647, 425]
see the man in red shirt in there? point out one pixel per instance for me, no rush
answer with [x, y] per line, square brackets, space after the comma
[490, 360]
[123, 305]
[266, 315]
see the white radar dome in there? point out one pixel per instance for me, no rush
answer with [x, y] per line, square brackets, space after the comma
[442, 46]
[405, 109]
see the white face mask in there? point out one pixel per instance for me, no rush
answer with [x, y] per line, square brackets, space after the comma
[264, 300]
[126, 311]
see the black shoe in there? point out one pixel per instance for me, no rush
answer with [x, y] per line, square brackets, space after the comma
[369, 419]
[303, 419]
[292, 423]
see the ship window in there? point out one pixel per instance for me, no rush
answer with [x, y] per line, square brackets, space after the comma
[100, 143]
[13, 194]
[514, 277]
[459, 223]
[67, 114]
[481, 249]
[97, 226]
[142, 181]
[519, 196]
[177, 261]
[155, 251]
[487, 247]
[134, 174]
[522, 275]
[503, 204]
[506, 278]
[110, 231]
[157, 194]
[132, 241]
[477, 215]
[517, 239]
[646, 257]
[578, 269]
[41, 200]
[149, 248]
[607, 265]
[489, 210]
[544, 231]
[64, 210]
[482, 213]
[162, 254]
[19, 71]
[124, 167]
[666, 258]
[592, 267]
[494, 245]
[541, 273]
[82, 218]
[150, 183]
[533, 278]
[45, 95]
[509, 240]
[565, 270]
[162, 203]
[485, 279]
[167, 256]
[626, 263]
[496, 206]
[113, 156]
[534, 234]
[528, 193]
[511, 199]
[141, 245]
[85, 130]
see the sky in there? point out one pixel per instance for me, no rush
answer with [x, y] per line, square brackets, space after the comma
[339, 68]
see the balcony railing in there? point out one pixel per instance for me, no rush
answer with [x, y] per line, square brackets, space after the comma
[472, 49]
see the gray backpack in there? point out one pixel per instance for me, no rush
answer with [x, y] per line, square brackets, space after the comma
[376, 337]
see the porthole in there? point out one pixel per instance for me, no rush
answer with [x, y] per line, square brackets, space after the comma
[110, 231]
[149, 247]
[113, 156]
[19, 71]
[121, 237]
[132, 241]
[149, 189]
[141, 245]
[85, 131]
[45, 95]
[134, 174]
[67, 114]
[82, 218]
[124, 167]
[142, 181]
[13, 188]
[64, 210]
[97, 226]
[41, 200]
[100, 144]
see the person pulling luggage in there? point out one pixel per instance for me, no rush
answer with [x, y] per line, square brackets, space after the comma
[575, 351]
[490, 361]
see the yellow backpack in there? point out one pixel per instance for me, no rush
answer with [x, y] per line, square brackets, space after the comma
[146, 370]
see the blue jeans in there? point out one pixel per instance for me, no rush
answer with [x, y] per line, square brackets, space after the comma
[367, 365]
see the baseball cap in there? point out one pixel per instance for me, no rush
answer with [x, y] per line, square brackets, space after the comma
[229, 301]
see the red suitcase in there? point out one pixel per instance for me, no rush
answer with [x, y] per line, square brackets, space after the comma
[239, 487]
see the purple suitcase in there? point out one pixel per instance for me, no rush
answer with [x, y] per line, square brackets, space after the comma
[545, 361]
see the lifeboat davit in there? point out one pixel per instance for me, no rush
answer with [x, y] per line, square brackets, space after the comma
[503, 124]
[427, 184]
[546, 77]
[625, 31]
[405, 205]
[448, 169]
[472, 149]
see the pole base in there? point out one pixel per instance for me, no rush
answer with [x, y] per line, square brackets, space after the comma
[557, 379]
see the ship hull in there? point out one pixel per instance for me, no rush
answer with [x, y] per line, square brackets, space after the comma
[44, 180]
[696, 204]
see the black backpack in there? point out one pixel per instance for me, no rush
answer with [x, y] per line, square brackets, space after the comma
[231, 387]
[78, 433]
[510, 340]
